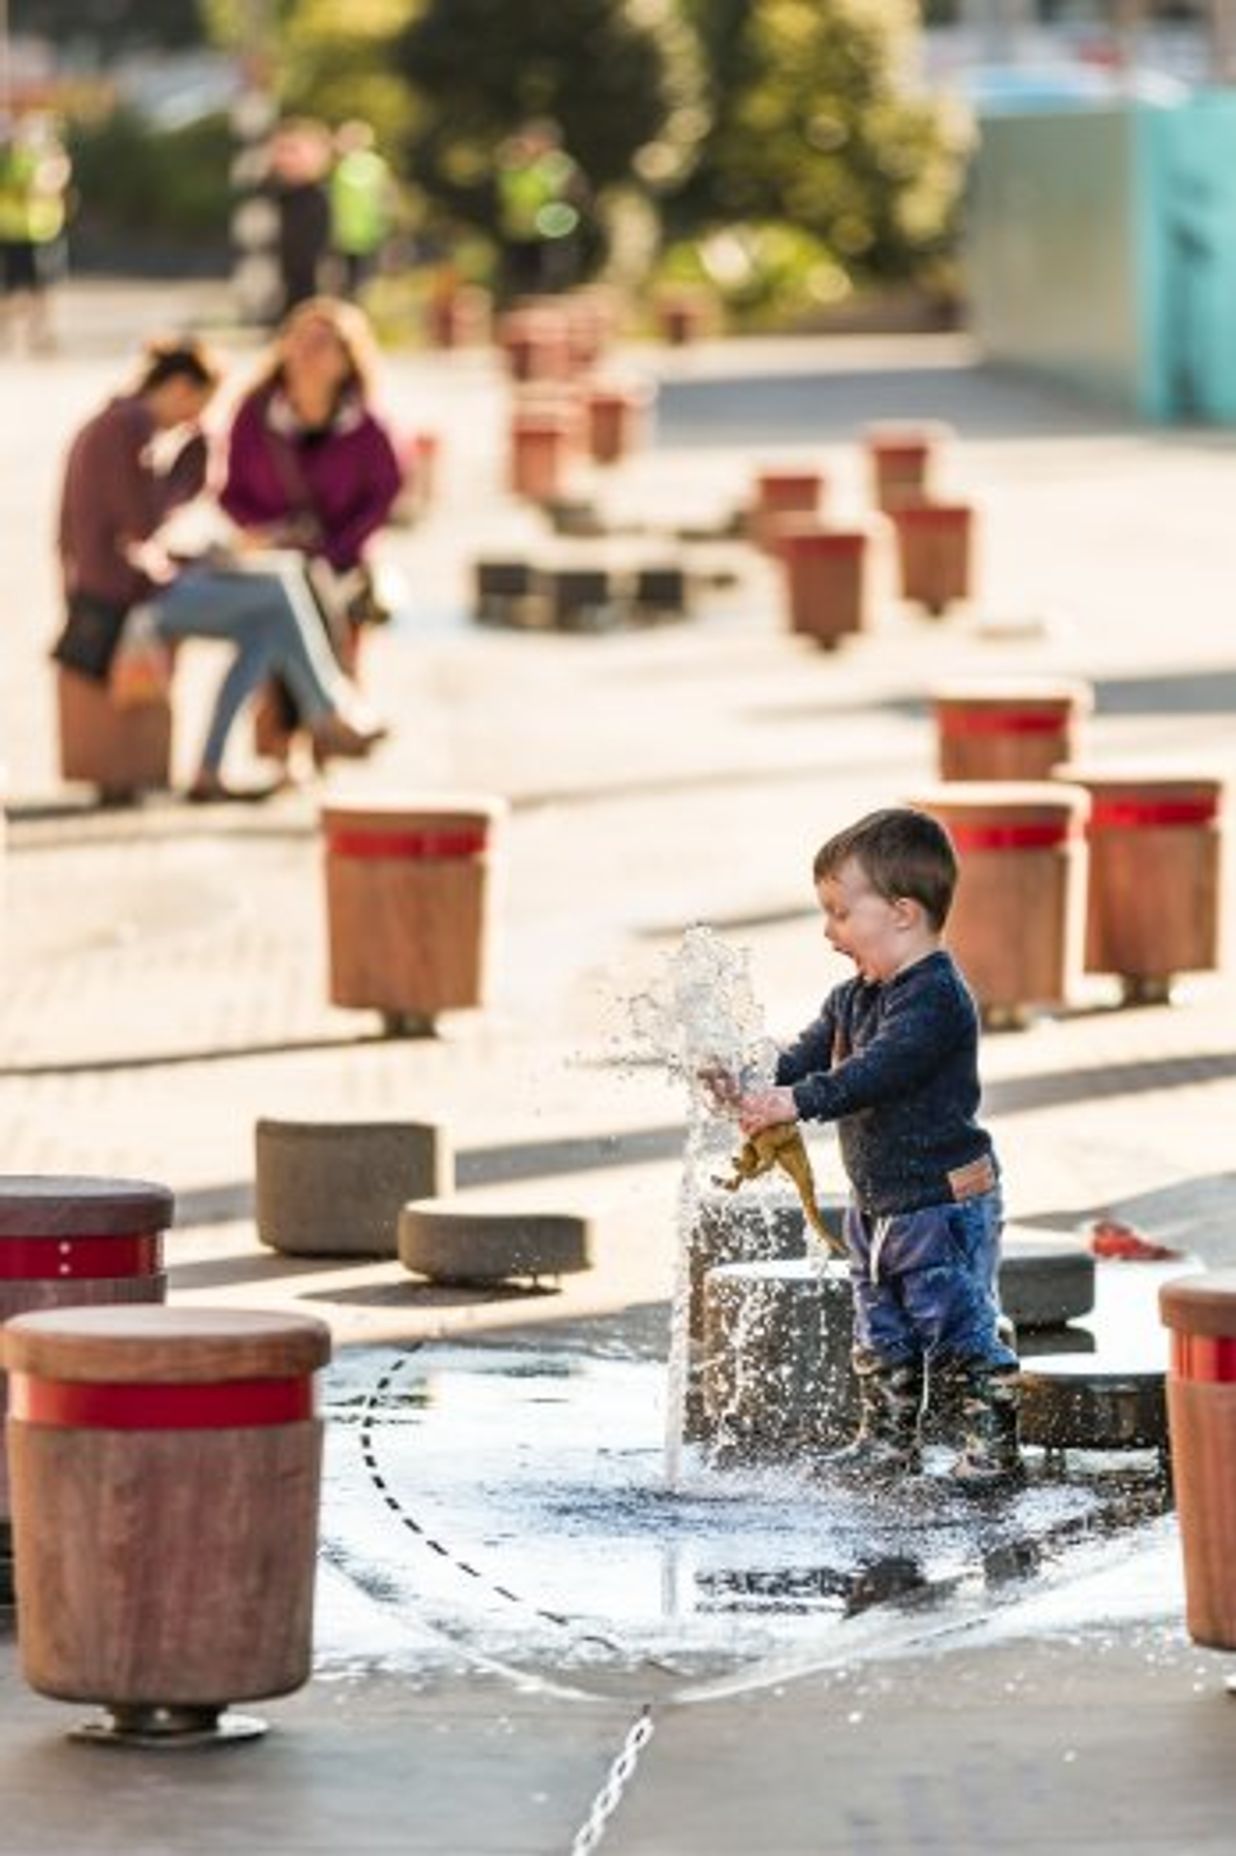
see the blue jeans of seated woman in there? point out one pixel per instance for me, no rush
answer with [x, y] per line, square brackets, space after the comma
[924, 1283]
[270, 616]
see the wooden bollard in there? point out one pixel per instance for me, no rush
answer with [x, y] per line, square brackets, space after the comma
[165, 1468]
[683, 316]
[541, 442]
[1009, 729]
[935, 553]
[614, 422]
[536, 345]
[336, 1188]
[778, 494]
[1155, 888]
[1017, 920]
[69, 1241]
[409, 905]
[1201, 1413]
[121, 751]
[458, 316]
[901, 459]
[827, 579]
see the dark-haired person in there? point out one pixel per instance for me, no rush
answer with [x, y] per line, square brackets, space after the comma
[893, 1060]
[139, 458]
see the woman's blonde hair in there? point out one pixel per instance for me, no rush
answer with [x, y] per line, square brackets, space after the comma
[351, 328]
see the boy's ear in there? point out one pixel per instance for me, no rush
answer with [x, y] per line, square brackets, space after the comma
[909, 911]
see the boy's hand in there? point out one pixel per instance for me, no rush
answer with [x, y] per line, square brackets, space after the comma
[722, 1086]
[765, 1109]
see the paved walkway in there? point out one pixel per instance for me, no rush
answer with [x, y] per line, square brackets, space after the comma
[163, 987]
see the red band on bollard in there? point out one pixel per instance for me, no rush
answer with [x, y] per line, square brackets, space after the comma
[1209, 1358]
[410, 845]
[223, 1405]
[1116, 814]
[1000, 722]
[1010, 837]
[53, 1259]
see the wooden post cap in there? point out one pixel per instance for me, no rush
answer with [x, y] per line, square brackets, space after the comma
[1125, 796]
[1201, 1304]
[798, 537]
[894, 435]
[1011, 808]
[64, 1205]
[444, 828]
[143, 1343]
[1033, 695]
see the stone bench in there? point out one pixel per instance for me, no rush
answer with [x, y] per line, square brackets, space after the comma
[451, 1243]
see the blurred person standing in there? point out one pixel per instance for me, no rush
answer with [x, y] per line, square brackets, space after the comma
[300, 157]
[34, 181]
[541, 196]
[362, 206]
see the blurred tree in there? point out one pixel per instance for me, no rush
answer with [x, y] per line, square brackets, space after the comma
[118, 25]
[620, 78]
[813, 127]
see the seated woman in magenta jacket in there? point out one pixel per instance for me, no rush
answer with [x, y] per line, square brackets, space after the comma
[310, 465]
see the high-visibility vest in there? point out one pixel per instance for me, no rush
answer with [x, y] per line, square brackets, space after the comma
[359, 202]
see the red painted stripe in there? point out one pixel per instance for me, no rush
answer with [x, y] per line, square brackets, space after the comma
[837, 541]
[1001, 721]
[51, 1259]
[407, 845]
[1118, 814]
[1210, 1358]
[227, 1404]
[1038, 837]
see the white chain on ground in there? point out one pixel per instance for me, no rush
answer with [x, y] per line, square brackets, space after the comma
[607, 1800]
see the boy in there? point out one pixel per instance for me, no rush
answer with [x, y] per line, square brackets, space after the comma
[892, 1058]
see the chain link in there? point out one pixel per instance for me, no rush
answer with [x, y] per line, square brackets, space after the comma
[617, 1779]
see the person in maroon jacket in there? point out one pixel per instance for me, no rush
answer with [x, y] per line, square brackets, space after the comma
[128, 468]
[311, 465]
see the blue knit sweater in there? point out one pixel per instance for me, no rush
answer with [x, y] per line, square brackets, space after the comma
[895, 1064]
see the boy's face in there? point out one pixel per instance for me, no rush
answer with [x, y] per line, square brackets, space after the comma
[874, 933]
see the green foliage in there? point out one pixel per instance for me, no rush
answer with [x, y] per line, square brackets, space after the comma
[764, 275]
[153, 185]
[813, 128]
[114, 24]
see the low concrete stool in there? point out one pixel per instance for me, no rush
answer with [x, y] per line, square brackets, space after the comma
[778, 494]
[506, 593]
[1009, 728]
[65, 1242]
[902, 461]
[1156, 883]
[660, 592]
[122, 752]
[455, 1244]
[409, 905]
[827, 579]
[335, 1189]
[777, 1374]
[1072, 1401]
[935, 553]
[579, 598]
[1045, 1281]
[758, 1224]
[165, 1479]
[1200, 1311]
[1017, 921]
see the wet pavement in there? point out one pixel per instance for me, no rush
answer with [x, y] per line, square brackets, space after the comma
[511, 1600]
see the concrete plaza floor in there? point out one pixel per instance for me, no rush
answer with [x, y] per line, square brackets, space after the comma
[164, 987]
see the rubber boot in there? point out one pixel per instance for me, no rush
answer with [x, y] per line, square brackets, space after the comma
[990, 1455]
[891, 1404]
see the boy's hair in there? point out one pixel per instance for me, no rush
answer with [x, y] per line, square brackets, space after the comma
[901, 853]
[177, 357]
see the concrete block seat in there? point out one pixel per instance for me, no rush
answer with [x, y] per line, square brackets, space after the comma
[1077, 1401]
[336, 1188]
[1045, 1279]
[453, 1243]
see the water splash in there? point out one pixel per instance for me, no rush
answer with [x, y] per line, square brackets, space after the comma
[700, 1012]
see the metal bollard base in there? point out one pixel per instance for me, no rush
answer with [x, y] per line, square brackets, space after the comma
[409, 1025]
[162, 1728]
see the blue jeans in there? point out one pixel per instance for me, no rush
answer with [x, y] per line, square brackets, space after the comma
[925, 1283]
[270, 615]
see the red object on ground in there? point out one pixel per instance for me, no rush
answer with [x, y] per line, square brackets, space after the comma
[1110, 1238]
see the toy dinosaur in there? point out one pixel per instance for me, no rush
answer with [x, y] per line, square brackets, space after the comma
[782, 1145]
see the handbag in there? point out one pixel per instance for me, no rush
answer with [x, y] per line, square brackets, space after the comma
[142, 664]
[91, 634]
